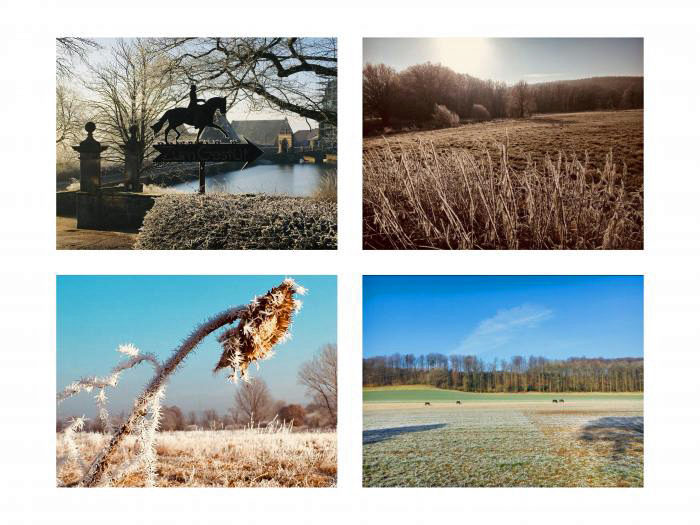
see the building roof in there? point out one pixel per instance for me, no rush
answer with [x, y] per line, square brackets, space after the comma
[261, 132]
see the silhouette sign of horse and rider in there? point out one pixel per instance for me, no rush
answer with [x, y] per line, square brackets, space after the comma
[195, 114]
[200, 114]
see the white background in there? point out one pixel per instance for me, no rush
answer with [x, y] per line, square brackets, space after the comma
[29, 263]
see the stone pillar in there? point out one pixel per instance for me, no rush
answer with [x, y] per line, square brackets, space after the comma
[90, 164]
[133, 157]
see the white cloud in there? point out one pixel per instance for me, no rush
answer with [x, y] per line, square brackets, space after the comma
[494, 332]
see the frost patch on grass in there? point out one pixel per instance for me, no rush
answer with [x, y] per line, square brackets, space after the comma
[240, 458]
[499, 447]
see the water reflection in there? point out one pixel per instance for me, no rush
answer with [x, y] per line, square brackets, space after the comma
[283, 179]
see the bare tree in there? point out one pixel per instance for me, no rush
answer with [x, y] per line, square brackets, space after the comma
[253, 400]
[285, 74]
[379, 85]
[69, 114]
[70, 49]
[292, 413]
[132, 89]
[521, 100]
[320, 377]
[171, 418]
[210, 419]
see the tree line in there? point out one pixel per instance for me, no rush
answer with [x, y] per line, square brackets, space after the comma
[253, 403]
[412, 95]
[518, 374]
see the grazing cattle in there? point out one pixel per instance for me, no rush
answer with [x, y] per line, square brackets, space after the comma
[561, 400]
[427, 404]
[459, 402]
[554, 401]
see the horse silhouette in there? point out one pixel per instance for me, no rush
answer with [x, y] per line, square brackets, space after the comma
[427, 404]
[554, 401]
[200, 117]
[459, 402]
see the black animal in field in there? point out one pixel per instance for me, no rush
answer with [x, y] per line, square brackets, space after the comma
[459, 402]
[427, 403]
[554, 401]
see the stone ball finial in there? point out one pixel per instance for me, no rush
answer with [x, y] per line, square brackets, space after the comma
[89, 145]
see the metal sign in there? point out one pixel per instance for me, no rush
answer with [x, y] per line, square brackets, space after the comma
[207, 152]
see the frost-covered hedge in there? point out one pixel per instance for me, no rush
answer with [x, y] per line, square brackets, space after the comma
[219, 221]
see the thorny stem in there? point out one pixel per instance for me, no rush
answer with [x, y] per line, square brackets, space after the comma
[100, 465]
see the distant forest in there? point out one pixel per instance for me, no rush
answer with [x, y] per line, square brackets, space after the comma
[534, 374]
[413, 94]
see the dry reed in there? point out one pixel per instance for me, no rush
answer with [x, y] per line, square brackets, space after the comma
[262, 324]
[419, 198]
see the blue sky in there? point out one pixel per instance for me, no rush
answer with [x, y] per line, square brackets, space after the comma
[500, 316]
[514, 59]
[95, 314]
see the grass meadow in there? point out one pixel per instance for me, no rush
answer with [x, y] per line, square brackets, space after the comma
[556, 181]
[215, 458]
[501, 440]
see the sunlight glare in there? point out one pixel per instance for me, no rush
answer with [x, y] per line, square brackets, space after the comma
[465, 55]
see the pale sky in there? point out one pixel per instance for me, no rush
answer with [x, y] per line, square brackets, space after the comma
[513, 59]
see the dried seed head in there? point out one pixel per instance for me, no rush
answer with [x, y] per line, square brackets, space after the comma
[264, 323]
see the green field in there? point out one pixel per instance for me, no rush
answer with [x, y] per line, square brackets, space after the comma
[422, 393]
[501, 440]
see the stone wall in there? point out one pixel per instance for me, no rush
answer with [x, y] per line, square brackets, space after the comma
[65, 203]
[114, 211]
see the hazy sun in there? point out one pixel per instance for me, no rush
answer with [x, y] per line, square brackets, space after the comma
[464, 55]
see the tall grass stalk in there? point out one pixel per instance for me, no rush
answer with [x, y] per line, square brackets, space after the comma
[98, 469]
[327, 190]
[421, 198]
[73, 453]
[263, 323]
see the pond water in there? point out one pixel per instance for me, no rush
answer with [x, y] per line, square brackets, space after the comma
[282, 179]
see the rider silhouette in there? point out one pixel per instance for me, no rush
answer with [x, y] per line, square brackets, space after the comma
[194, 101]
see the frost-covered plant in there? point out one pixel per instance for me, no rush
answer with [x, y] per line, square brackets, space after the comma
[73, 453]
[218, 221]
[426, 198]
[145, 431]
[87, 384]
[273, 427]
[262, 324]
[444, 117]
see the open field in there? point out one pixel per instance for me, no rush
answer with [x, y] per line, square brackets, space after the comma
[596, 132]
[556, 181]
[422, 393]
[201, 458]
[502, 440]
